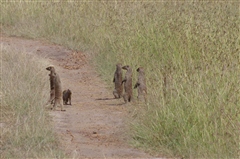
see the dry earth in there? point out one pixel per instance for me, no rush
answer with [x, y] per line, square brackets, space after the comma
[94, 126]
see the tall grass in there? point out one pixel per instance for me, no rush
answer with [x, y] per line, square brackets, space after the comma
[26, 130]
[190, 51]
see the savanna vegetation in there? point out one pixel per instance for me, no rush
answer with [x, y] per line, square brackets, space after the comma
[26, 129]
[190, 52]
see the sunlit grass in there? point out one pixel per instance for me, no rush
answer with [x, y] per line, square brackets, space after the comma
[26, 129]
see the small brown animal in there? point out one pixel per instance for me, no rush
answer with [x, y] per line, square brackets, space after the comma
[67, 96]
[51, 79]
[127, 84]
[117, 79]
[141, 84]
[57, 87]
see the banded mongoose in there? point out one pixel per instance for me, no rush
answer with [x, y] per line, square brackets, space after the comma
[57, 88]
[52, 90]
[127, 84]
[141, 84]
[118, 90]
[67, 94]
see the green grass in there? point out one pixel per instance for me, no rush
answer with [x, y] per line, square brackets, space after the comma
[26, 130]
[190, 51]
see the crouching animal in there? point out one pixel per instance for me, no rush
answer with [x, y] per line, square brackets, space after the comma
[67, 94]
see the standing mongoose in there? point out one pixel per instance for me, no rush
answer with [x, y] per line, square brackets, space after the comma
[117, 79]
[51, 79]
[127, 84]
[141, 84]
[57, 87]
[67, 96]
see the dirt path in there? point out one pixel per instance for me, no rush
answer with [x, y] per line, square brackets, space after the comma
[93, 127]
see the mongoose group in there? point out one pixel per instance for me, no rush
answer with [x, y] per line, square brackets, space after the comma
[57, 97]
[127, 81]
[56, 94]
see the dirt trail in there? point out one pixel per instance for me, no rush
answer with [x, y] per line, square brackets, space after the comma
[93, 127]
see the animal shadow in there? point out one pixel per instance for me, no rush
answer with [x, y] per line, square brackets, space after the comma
[105, 98]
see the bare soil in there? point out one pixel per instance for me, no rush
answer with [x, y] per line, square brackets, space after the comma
[94, 126]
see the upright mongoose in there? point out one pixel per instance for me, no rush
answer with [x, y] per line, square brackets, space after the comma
[127, 84]
[141, 84]
[67, 96]
[57, 88]
[51, 79]
[118, 90]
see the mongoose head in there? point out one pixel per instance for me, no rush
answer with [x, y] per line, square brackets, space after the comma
[118, 65]
[126, 67]
[140, 69]
[70, 92]
[50, 68]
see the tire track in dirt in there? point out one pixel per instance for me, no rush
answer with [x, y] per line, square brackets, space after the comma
[94, 126]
